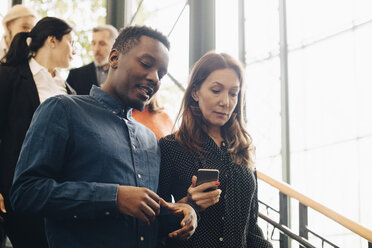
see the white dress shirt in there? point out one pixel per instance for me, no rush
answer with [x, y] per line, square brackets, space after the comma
[47, 86]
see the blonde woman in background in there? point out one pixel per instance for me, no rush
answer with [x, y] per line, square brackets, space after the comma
[18, 19]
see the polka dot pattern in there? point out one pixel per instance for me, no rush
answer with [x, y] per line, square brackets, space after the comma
[232, 222]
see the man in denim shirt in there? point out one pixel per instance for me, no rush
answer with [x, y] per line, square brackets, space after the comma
[89, 168]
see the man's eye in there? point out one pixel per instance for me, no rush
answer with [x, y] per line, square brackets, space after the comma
[145, 65]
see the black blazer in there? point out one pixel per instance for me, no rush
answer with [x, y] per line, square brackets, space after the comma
[82, 78]
[18, 101]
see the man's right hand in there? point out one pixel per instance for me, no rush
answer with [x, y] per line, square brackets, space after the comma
[141, 203]
[2, 207]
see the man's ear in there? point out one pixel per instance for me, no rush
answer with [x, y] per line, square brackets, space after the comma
[114, 58]
[195, 95]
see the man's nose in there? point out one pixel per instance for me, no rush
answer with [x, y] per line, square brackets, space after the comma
[154, 76]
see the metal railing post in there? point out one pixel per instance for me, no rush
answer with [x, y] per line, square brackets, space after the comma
[283, 212]
[302, 221]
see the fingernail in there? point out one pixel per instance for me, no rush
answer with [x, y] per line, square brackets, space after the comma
[218, 183]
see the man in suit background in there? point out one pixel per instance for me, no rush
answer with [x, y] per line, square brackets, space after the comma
[95, 73]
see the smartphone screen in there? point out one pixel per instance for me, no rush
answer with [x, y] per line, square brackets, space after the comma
[207, 175]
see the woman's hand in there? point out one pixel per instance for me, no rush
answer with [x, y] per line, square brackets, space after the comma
[200, 199]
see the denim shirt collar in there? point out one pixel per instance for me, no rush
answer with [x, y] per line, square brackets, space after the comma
[109, 102]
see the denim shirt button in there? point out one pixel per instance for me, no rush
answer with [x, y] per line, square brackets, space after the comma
[139, 176]
[142, 238]
[107, 213]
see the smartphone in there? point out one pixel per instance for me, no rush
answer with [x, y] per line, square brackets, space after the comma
[207, 175]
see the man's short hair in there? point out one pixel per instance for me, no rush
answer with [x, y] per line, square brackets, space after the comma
[130, 36]
[106, 27]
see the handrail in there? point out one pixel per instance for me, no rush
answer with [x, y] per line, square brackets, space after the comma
[288, 190]
[287, 231]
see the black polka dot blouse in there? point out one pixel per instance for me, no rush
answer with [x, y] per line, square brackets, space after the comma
[232, 222]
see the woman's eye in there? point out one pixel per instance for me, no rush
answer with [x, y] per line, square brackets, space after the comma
[215, 91]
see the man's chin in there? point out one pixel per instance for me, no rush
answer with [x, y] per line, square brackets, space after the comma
[139, 106]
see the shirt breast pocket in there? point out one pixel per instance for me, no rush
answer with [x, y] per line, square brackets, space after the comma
[153, 167]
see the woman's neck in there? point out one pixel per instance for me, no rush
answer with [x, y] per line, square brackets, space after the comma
[43, 59]
[215, 134]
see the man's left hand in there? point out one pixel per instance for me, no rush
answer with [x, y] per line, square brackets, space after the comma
[189, 221]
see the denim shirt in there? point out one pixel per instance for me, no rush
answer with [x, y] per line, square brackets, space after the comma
[76, 153]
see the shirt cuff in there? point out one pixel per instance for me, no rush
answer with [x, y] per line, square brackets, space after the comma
[105, 200]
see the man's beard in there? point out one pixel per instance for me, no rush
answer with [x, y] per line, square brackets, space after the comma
[101, 63]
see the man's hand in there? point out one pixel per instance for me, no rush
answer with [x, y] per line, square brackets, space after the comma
[189, 221]
[141, 203]
[2, 207]
[202, 200]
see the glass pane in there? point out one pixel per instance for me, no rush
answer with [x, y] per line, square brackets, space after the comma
[330, 106]
[261, 29]
[227, 27]
[170, 17]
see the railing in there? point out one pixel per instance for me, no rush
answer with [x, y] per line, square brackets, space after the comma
[288, 232]
[286, 190]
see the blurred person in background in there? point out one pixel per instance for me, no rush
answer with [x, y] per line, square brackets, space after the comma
[95, 73]
[155, 118]
[28, 76]
[18, 19]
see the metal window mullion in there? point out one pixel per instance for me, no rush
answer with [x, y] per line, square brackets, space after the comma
[285, 138]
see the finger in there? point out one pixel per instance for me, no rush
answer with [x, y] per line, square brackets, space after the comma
[193, 181]
[148, 212]
[141, 216]
[206, 195]
[153, 195]
[2, 205]
[154, 205]
[182, 233]
[208, 185]
[163, 203]
[187, 219]
[167, 205]
[177, 232]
